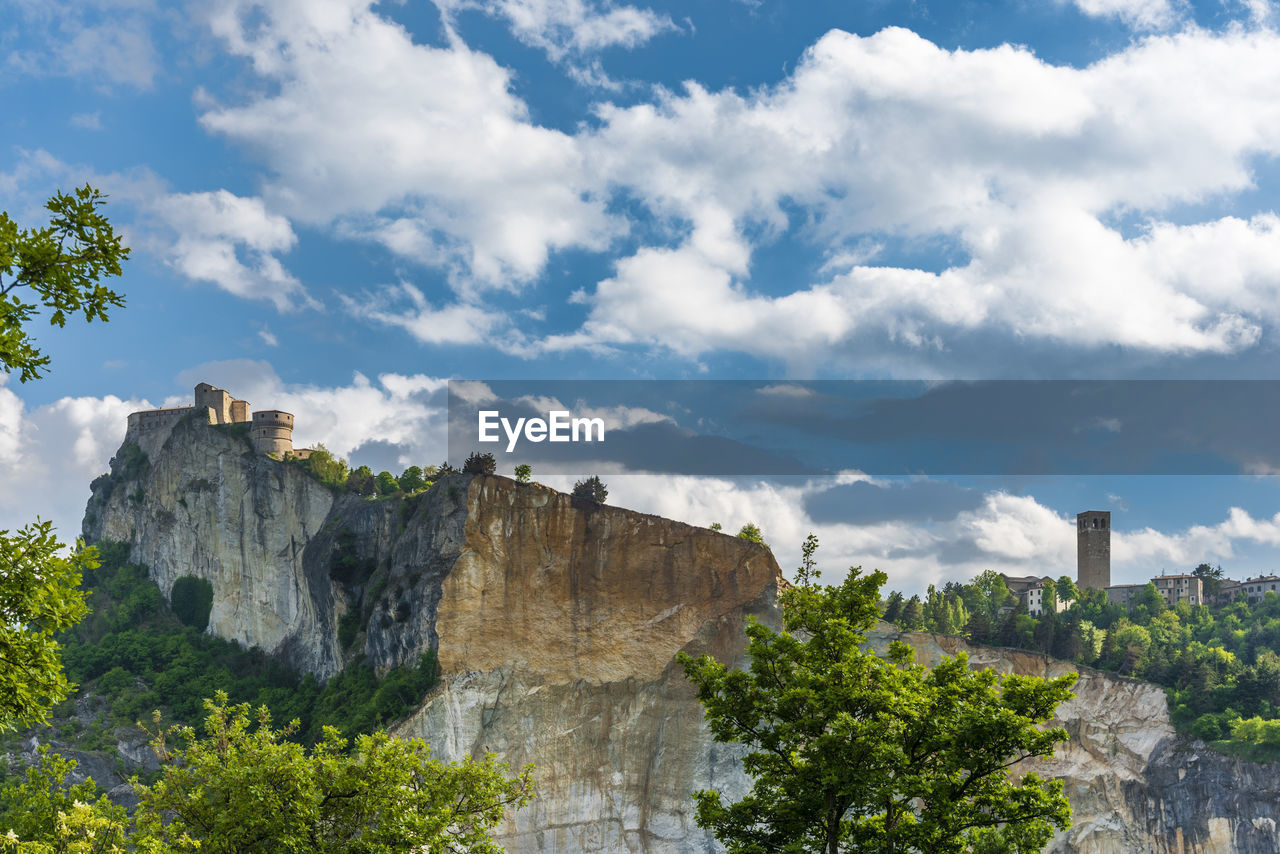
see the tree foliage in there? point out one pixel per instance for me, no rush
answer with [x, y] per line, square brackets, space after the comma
[243, 787]
[61, 266]
[523, 473]
[478, 463]
[39, 597]
[592, 489]
[751, 533]
[45, 814]
[850, 751]
[192, 601]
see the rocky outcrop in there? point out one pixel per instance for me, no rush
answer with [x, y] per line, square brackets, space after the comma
[1133, 783]
[556, 622]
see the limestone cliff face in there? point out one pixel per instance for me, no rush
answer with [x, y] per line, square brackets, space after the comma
[1133, 783]
[204, 504]
[556, 623]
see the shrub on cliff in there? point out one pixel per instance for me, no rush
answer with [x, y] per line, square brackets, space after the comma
[479, 463]
[592, 489]
[192, 600]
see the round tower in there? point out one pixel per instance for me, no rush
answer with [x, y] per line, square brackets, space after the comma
[1093, 549]
[272, 432]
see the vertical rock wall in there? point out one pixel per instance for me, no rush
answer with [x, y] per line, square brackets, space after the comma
[556, 622]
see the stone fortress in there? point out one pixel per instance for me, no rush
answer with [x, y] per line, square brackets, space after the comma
[270, 430]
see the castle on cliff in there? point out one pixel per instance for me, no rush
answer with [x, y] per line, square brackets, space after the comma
[270, 430]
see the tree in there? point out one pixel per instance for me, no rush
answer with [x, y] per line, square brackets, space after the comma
[327, 468]
[592, 489]
[479, 463]
[361, 481]
[243, 787]
[54, 816]
[1210, 577]
[386, 483]
[751, 533]
[62, 265]
[524, 471]
[192, 600]
[853, 752]
[412, 480]
[39, 597]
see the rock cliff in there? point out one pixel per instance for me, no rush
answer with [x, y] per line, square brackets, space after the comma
[556, 622]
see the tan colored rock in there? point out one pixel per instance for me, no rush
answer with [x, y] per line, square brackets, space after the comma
[556, 622]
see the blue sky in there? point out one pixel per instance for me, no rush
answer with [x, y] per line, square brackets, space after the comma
[335, 206]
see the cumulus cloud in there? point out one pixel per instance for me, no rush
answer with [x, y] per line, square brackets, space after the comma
[407, 411]
[231, 241]
[561, 27]
[424, 149]
[106, 41]
[1029, 164]
[1140, 14]
[406, 307]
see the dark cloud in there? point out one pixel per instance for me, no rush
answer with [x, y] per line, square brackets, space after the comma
[866, 503]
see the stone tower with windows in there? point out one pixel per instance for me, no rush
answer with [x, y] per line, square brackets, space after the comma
[1093, 549]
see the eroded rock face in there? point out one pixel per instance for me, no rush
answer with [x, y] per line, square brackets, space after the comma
[556, 623]
[207, 505]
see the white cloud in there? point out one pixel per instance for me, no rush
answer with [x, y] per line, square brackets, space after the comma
[406, 307]
[231, 241]
[1028, 164]
[424, 149]
[87, 121]
[1140, 14]
[401, 410]
[102, 40]
[560, 27]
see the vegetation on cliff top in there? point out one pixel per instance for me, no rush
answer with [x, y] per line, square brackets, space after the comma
[1217, 663]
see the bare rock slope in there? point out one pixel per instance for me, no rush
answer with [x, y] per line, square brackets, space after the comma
[556, 623]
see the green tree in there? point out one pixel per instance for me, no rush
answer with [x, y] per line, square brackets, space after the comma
[39, 597]
[47, 815]
[853, 752]
[327, 468]
[524, 471]
[479, 463]
[386, 483]
[752, 533]
[244, 788]
[592, 489]
[1210, 577]
[62, 267]
[361, 481]
[412, 480]
[192, 601]
[1067, 590]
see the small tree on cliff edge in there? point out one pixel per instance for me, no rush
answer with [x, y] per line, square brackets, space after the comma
[479, 463]
[854, 752]
[592, 489]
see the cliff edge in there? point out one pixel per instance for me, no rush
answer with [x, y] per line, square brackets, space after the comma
[556, 622]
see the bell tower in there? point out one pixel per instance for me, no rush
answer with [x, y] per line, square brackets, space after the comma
[1093, 549]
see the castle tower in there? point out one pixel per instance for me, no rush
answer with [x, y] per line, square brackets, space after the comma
[1093, 549]
[226, 409]
[272, 432]
[217, 400]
